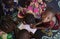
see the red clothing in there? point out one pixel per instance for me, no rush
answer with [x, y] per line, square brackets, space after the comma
[58, 19]
[51, 24]
[55, 27]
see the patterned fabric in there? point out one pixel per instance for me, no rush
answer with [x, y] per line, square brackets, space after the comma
[42, 6]
[55, 36]
[54, 4]
[37, 10]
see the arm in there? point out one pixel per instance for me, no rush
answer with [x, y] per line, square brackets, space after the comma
[40, 27]
[37, 27]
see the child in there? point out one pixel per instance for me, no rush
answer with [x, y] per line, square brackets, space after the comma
[29, 22]
[50, 21]
[37, 7]
[53, 19]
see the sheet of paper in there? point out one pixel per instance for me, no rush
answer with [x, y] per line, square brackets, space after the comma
[27, 27]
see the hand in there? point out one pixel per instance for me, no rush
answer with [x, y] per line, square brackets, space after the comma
[32, 26]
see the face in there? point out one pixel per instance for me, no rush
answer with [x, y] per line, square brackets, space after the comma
[47, 18]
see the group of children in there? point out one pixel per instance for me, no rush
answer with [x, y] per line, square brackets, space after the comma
[39, 19]
[36, 18]
[49, 21]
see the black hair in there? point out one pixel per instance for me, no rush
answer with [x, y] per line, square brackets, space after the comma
[23, 34]
[29, 19]
[24, 3]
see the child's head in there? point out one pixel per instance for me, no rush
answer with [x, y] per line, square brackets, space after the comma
[23, 34]
[29, 18]
[48, 15]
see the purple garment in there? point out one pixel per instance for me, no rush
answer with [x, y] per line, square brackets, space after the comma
[30, 8]
[36, 10]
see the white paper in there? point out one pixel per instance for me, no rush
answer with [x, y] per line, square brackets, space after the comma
[27, 27]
